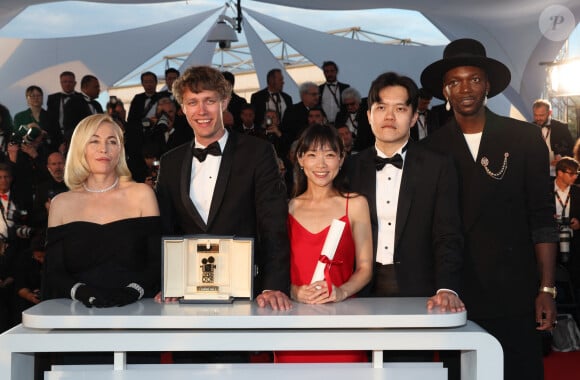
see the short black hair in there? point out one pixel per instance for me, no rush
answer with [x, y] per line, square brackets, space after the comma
[390, 79]
[87, 79]
[271, 74]
[229, 77]
[172, 70]
[150, 73]
[329, 63]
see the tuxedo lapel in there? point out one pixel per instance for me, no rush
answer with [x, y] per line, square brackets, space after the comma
[185, 183]
[411, 170]
[223, 177]
[368, 179]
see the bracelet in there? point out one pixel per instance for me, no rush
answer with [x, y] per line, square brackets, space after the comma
[138, 288]
[73, 290]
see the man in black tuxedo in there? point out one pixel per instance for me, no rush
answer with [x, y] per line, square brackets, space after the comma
[55, 105]
[82, 105]
[144, 104]
[226, 183]
[271, 97]
[331, 91]
[412, 194]
[556, 134]
[507, 208]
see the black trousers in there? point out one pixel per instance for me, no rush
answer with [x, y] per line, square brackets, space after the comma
[521, 344]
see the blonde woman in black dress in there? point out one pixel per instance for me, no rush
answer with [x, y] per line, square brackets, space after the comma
[103, 240]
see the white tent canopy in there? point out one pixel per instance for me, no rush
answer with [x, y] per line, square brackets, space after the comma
[510, 30]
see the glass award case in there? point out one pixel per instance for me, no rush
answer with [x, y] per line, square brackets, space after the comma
[207, 269]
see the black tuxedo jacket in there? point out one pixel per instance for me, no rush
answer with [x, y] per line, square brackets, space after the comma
[249, 200]
[432, 122]
[53, 108]
[561, 140]
[76, 109]
[137, 108]
[503, 216]
[260, 100]
[235, 107]
[574, 264]
[428, 240]
[294, 122]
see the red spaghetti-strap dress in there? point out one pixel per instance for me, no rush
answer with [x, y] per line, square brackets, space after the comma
[305, 248]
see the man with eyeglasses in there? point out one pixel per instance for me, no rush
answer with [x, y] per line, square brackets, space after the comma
[567, 198]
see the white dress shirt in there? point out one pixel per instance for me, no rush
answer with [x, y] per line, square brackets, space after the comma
[204, 177]
[387, 194]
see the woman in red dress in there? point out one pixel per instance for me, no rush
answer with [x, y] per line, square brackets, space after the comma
[318, 199]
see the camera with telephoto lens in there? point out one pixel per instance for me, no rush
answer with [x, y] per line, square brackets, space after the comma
[163, 121]
[25, 135]
[19, 229]
[565, 232]
[160, 127]
[154, 171]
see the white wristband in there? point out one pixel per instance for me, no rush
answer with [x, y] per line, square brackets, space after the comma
[73, 290]
[138, 288]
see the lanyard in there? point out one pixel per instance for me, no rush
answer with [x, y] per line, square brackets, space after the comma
[333, 92]
[564, 205]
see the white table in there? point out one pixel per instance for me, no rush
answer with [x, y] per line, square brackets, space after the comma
[373, 324]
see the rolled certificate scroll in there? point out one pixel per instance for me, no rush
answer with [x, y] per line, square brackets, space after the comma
[329, 248]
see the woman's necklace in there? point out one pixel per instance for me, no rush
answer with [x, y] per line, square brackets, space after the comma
[102, 190]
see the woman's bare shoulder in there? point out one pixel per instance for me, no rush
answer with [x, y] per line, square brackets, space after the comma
[62, 206]
[144, 196]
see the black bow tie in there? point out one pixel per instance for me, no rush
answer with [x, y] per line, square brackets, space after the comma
[213, 149]
[396, 161]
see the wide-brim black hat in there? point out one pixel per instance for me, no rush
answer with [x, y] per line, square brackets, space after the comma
[465, 52]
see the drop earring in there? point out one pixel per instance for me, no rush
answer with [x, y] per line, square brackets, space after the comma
[485, 100]
[448, 105]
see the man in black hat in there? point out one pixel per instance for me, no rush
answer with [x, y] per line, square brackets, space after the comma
[507, 210]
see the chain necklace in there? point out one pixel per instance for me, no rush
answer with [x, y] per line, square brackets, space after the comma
[102, 190]
[498, 175]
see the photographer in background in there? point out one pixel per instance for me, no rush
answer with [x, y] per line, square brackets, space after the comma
[14, 234]
[48, 189]
[168, 130]
[27, 153]
[567, 199]
[116, 109]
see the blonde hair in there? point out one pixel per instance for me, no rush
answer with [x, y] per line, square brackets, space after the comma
[76, 169]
